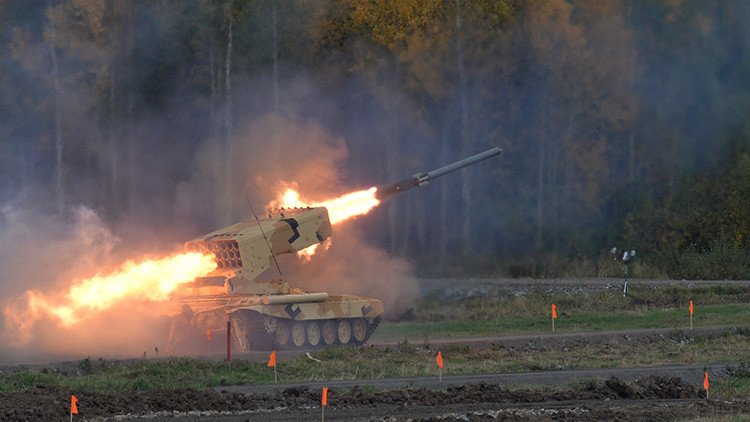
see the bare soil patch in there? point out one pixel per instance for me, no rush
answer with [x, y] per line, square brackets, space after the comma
[654, 398]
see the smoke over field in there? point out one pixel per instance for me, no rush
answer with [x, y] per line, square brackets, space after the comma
[127, 128]
[43, 256]
[77, 249]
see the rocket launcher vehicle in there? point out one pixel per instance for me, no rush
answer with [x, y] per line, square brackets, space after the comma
[269, 314]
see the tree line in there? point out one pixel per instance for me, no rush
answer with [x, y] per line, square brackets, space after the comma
[624, 123]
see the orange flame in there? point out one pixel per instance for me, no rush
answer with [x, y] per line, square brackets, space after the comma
[340, 208]
[147, 279]
[307, 253]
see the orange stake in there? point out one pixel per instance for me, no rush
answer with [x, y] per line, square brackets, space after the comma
[554, 316]
[440, 366]
[705, 384]
[272, 360]
[73, 406]
[324, 403]
[272, 363]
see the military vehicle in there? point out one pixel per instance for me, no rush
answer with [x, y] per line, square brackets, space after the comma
[270, 314]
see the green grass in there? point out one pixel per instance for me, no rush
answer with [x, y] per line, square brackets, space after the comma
[489, 315]
[535, 301]
[568, 321]
[527, 311]
[736, 385]
[403, 360]
[141, 375]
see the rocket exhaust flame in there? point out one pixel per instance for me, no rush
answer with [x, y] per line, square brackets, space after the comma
[361, 202]
[147, 279]
[341, 208]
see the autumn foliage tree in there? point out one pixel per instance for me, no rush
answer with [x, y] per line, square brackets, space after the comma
[623, 123]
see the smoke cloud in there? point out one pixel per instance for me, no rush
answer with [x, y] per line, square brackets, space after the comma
[278, 149]
[353, 265]
[44, 253]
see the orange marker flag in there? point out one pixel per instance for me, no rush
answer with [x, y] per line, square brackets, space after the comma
[440, 360]
[272, 360]
[208, 334]
[554, 311]
[324, 398]
[705, 383]
[73, 405]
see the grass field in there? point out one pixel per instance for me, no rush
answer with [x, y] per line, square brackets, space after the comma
[568, 321]
[529, 312]
[434, 316]
[402, 360]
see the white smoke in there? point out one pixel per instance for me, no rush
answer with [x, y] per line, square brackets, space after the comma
[45, 254]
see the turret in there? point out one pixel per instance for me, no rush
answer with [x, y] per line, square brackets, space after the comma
[243, 253]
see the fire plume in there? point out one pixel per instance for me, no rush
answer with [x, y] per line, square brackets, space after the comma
[147, 279]
[340, 208]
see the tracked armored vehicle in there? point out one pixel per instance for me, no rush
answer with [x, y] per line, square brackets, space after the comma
[269, 314]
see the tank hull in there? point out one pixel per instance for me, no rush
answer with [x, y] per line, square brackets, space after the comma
[271, 322]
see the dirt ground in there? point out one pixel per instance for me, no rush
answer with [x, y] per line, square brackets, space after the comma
[652, 398]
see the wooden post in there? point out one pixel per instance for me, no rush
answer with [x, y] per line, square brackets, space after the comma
[229, 341]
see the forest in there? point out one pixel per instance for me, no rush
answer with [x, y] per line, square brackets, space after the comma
[623, 123]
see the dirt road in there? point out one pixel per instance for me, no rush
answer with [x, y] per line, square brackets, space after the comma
[690, 374]
[457, 398]
[485, 397]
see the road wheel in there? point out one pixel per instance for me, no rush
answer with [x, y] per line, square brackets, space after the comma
[313, 333]
[298, 334]
[359, 330]
[282, 333]
[329, 333]
[344, 331]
